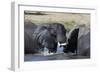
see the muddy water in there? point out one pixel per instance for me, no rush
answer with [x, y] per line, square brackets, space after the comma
[60, 56]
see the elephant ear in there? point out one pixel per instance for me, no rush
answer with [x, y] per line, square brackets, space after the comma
[74, 32]
[72, 40]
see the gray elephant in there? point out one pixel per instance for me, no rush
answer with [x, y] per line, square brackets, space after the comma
[79, 41]
[37, 37]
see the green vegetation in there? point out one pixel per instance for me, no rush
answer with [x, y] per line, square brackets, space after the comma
[67, 19]
[69, 25]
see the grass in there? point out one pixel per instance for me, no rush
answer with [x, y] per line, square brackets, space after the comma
[69, 25]
[67, 19]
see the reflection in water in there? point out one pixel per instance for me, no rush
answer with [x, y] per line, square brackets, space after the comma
[57, 56]
[60, 49]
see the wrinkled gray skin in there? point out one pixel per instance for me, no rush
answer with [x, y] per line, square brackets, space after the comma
[37, 38]
[44, 39]
[72, 41]
[59, 30]
[83, 41]
[29, 28]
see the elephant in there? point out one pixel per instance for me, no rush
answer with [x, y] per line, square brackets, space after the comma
[45, 35]
[79, 41]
